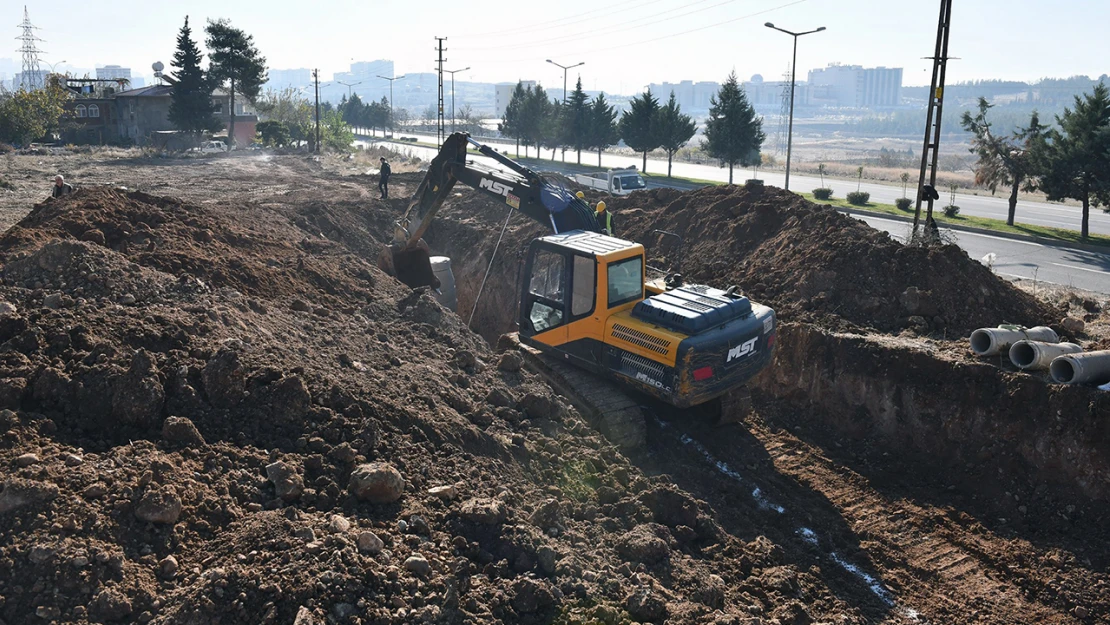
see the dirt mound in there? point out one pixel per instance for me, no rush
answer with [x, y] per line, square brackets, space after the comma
[813, 263]
[194, 455]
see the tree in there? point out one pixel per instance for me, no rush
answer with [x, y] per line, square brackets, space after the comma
[674, 129]
[233, 58]
[603, 125]
[576, 121]
[1002, 160]
[637, 125]
[512, 121]
[274, 134]
[551, 127]
[191, 106]
[905, 178]
[1073, 160]
[534, 118]
[291, 109]
[733, 133]
[29, 115]
[335, 134]
[353, 111]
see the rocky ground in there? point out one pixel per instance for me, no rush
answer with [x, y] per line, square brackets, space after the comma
[216, 409]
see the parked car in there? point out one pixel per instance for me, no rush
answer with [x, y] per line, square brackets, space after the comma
[211, 147]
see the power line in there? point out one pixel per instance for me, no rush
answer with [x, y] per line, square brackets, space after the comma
[656, 39]
[611, 29]
[552, 24]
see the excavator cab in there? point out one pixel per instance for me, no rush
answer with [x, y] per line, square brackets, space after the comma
[586, 301]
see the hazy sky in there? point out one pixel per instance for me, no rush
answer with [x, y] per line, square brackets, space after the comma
[625, 44]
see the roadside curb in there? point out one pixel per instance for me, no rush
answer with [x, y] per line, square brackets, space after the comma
[1095, 249]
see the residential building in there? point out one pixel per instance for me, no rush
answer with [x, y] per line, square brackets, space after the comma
[285, 78]
[503, 93]
[854, 86]
[113, 72]
[691, 96]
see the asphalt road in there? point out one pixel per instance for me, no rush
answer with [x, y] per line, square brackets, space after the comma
[1016, 259]
[1033, 213]
[1023, 259]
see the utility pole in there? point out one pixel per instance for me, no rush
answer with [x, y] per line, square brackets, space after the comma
[391, 99]
[316, 77]
[439, 104]
[793, 80]
[932, 120]
[452, 72]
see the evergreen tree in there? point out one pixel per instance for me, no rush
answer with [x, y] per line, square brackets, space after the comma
[1074, 160]
[637, 125]
[603, 126]
[191, 106]
[534, 119]
[233, 59]
[551, 127]
[1002, 159]
[576, 121]
[733, 133]
[674, 129]
[511, 121]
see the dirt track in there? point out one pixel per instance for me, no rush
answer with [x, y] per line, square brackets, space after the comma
[897, 536]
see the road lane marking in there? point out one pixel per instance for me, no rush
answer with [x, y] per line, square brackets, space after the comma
[1078, 268]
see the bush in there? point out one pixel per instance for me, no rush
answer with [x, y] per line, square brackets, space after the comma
[753, 182]
[903, 203]
[822, 194]
[859, 198]
[951, 210]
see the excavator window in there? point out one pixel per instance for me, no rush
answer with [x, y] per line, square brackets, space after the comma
[626, 281]
[583, 285]
[547, 289]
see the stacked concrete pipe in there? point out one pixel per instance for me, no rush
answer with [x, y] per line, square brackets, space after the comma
[1037, 356]
[1088, 368]
[994, 341]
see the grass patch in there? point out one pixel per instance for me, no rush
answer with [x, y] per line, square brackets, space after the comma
[997, 225]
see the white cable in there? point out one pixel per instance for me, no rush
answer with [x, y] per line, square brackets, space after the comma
[485, 277]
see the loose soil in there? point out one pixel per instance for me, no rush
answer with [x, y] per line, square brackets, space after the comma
[239, 293]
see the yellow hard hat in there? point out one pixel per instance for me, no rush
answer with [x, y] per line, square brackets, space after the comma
[580, 195]
[601, 206]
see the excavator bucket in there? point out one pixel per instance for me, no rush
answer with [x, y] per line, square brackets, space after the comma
[414, 268]
[411, 266]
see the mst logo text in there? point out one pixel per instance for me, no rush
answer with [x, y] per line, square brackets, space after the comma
[499, 188]
[747, 348]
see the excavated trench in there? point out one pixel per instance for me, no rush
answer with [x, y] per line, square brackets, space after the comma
[926, 398]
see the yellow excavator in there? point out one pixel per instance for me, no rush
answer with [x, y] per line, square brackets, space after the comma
[586, 301]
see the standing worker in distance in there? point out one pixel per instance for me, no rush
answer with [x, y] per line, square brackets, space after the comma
[383, 179]
[61, 187]
[604, 219]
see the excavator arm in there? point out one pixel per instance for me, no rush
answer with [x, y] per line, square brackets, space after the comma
[520, 187]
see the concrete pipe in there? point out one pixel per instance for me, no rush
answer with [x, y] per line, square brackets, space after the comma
[994, 341]
[1036, 356]
[441, 267]
[1091, 367]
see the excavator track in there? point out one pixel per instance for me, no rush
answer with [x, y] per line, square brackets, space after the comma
[606, 406]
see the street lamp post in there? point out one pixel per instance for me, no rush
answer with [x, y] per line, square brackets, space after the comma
[565, 68]
[452, 72]
[349, 86]
[793, 80]
[391, 99]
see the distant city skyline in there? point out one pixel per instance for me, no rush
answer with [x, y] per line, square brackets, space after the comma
[626, 45]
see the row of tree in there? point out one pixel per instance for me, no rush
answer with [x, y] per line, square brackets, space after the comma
[1071, 160]
[359, 114]
[233, 62]
[733, 132]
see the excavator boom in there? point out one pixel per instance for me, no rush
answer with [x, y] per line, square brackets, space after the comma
[520, 188]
